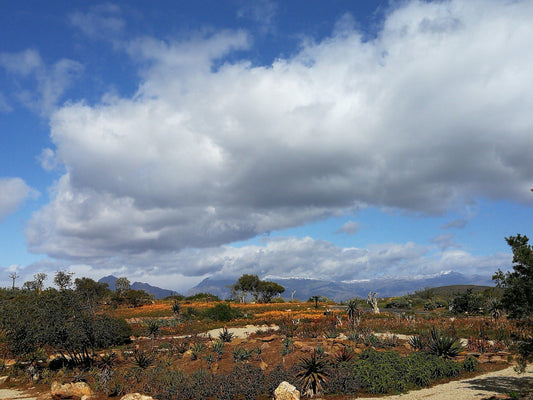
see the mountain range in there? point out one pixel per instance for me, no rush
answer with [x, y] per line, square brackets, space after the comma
[302, 289]
[338, 291]
[158, 292]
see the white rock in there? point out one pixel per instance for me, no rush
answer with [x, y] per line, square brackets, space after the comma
[285, 391]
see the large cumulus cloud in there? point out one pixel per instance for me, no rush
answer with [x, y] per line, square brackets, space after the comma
[433, 112]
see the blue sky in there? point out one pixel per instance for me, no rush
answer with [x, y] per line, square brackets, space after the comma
[172, 141]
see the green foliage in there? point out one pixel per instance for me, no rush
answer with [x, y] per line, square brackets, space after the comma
[63, 279]
[222, 312]
[197, 349]
[468, 302]
[399, 302]
[153, 327]
[218, 347]
[286, 346]
[241, 354]
[268, 290]
[90, 291]
[61, 320]
[122, 285]
[251, 285]
[225, 336]
[388, 372]
[443, 345]
[470, 364]
[517, 298]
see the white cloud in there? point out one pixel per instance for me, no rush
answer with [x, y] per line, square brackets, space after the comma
[433, 113]
[45, 84]
[13, 192]
[102, 21]
[350, 228]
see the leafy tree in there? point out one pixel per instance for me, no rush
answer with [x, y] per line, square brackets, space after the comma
[36, 284]
[122, 285]
[247, 285]
[517, 298]
[63, 279]
[467, 302]
[268, 290]
[251, 285]
[91, 291]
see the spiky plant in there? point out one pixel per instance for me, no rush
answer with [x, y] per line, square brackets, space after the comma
[443, 346]
[343, 355]
[313, 372]
[225, 335]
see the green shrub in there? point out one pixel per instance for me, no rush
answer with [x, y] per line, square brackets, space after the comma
[222, 312]
[342, 379]
[470, 364]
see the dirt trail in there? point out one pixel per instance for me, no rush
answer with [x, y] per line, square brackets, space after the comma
[494, 383]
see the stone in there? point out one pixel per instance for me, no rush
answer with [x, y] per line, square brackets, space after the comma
[263, 365]
[270, 338]
[285, 391]
[74, 391]
[3, 379]
[136, 396]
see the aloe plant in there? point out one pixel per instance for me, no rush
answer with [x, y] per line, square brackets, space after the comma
[313, 372]
[443, 345]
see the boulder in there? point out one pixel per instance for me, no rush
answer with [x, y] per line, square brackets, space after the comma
[74, 391]
[285, 391]
[136, 396]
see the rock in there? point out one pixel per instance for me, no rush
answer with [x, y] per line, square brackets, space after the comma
[263, 365]
[285, 391]
[74, 391]
[136, 396]
[270, 338]
[3, 379]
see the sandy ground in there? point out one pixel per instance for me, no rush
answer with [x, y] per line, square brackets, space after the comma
[12, 394]
[492, 384]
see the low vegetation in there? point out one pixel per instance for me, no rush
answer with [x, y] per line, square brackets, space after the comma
[118, 344]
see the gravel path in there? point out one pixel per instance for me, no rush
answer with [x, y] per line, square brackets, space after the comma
[483, 386]
[12, 394]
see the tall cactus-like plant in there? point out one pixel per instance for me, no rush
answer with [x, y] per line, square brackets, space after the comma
[372, 300]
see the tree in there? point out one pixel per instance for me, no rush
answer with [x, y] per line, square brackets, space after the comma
[122, 285]
[14, 276]
[63, 279]
[268, 290]
[37, 283]
[467, 302]
[90, 291]
[39, 280]
[517, 298]
[247, 285]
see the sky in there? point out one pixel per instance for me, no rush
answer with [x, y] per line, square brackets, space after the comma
[171, 141]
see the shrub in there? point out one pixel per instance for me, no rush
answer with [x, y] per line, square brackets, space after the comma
[470, 364]
[342, 379]
[222, 312]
